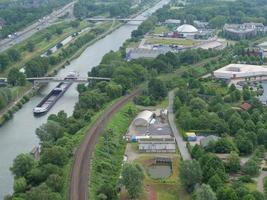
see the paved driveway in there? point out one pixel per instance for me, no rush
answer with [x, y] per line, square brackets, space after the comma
[179, 140]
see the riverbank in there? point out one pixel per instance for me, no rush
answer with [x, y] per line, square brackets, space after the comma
[54, 70]
[17, 104]
[20, 130]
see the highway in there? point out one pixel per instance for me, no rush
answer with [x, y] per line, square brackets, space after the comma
[35, 27]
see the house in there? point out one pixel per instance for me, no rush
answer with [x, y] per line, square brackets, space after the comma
[245, 106]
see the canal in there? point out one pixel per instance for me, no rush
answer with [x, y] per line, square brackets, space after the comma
[18, 135]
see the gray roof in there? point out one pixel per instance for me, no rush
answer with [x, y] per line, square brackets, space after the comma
[211, 138]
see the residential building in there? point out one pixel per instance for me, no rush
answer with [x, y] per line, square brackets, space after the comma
[243, 31]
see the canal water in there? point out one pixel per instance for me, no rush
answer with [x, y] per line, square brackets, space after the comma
[18, 135]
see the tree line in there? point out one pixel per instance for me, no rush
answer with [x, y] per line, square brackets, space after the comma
[209, 107]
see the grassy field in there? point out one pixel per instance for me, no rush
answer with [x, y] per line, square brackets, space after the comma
[160, 29]
[171, 41]
[251, 186]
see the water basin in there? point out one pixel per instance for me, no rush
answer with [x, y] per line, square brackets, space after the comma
[160, 171]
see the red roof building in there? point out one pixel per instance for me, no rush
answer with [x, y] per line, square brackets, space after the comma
[245, 106]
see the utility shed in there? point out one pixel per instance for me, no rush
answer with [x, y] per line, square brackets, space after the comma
[157, 146]
[143, 118]
[191, 136]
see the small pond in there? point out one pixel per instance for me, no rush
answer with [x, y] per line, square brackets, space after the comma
[160, 171]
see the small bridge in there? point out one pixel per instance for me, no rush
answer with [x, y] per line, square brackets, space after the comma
[60, 79]
[114, 19]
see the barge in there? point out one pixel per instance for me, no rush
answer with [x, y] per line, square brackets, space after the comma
[47, 103]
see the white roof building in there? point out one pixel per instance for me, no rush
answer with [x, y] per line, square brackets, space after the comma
[187, 31]
[240, 71]
[143, 118]
[187, 28]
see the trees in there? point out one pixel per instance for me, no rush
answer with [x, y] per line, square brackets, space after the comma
[42, 192]
[233, 162]
[244, 145]
[30, 46]
[54, 155]
[14, 55]
[22, 165]
[215, 182]
[4, 61]
[132, 178]
[50, 132]
[16, 78]
[251, 167]
[198, 104]
[190, 174]
[55, 182]
[157, 89]
[227, 193]
[204, 192]
[20, 185]
[212, 165]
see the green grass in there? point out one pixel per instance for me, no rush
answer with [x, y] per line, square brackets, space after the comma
[109, 161]
[251, 186]
[171, 41]
[160, 29]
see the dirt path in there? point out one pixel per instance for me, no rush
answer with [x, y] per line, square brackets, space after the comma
[80, 174]
[152, 194]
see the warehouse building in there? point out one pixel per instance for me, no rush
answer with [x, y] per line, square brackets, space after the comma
[157, 145]
[135, 53]
[241, 71]
[143, 118]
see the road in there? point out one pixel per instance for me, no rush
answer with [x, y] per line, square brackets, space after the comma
[35, 27]
[260, 181]
[179, 140]
[80, 174]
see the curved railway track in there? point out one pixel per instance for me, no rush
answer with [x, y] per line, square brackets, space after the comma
[80, 174]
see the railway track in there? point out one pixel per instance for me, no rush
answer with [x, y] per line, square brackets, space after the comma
[80, 174]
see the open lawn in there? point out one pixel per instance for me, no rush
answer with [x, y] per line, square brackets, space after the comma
[160, 29]
[171, 41]
[251, 186]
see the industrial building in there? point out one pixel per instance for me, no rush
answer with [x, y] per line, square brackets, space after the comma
[186, 31]
[241, 71]
[243, 31]
[157, 145]
[263, 49]
[135, 53]
[143, 118]
[152, 132]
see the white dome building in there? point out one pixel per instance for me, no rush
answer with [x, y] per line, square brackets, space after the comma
[143, 118]
[187, 31]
